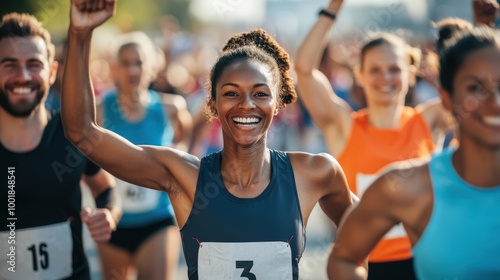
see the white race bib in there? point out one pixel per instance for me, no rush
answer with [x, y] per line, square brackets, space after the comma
[363, 181]
[137, 199]
[244, 261]
[40, 253]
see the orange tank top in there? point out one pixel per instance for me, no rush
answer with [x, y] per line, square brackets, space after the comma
[369, 150]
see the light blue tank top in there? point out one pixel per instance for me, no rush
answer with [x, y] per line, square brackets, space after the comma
[153, 129]
[462, 238]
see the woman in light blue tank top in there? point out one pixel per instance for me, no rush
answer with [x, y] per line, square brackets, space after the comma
[143, 117]
[449, 205]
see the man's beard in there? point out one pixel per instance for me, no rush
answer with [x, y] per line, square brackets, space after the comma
[22, 108]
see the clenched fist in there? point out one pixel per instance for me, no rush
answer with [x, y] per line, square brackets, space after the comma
[88, 14]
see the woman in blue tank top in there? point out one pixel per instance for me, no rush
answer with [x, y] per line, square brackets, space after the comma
[243, 210]
[449, 205]
[147, 228]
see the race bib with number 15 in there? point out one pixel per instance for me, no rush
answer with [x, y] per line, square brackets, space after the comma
[40, 253]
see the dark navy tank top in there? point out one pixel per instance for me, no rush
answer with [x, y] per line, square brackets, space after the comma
[226, 237]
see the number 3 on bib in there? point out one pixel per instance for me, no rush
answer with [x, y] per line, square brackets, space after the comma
[247, 266]
[245, 261]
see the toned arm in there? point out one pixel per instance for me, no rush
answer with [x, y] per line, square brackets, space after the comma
[320, 179]
[404, 195]
[154, 167]
[329, 112]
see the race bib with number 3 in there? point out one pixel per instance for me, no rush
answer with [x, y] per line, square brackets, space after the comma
[245, 261]
[40, 253]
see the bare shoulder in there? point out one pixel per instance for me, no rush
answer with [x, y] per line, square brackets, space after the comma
[401, 183]
[316, 168]
[407, 173]
[177, 174]
[403, 193]
[319, 178]
[182, 166]
[174, 156]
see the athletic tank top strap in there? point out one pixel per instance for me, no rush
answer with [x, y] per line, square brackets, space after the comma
[260, 233]
[461, 239]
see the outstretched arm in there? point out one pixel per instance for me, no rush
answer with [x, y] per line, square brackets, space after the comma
[358, 234]
[141, 165]
[336, 194]
[387, 202]
[320, 179]
[329, 112]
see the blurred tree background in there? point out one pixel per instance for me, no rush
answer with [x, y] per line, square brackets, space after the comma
[26, 6]
[134, 14]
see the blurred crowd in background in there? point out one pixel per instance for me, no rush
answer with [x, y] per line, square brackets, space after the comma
[190, 37]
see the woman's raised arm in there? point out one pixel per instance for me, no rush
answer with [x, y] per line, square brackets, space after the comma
[153, 167]
[329, 112]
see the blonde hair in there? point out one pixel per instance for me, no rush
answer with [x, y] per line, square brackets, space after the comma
[139, 39]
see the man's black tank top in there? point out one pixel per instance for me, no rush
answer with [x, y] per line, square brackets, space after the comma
[47, 197]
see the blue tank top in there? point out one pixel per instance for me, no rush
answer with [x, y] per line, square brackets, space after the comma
[141, 206]
[461, 240]
[226, 237]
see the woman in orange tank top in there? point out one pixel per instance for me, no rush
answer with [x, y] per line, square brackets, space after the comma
[386, 131]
